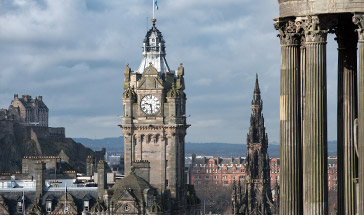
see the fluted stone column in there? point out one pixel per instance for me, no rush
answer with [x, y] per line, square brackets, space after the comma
[290, 125]
[358, 19]
[346, 114]
[315, 141]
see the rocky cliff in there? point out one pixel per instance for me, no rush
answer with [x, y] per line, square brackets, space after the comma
[17, 141]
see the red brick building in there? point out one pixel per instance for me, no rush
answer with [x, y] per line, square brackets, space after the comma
[332, 173]
[224, 171]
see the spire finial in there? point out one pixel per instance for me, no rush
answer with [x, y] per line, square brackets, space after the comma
[256, 89]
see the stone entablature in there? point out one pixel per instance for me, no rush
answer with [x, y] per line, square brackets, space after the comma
[308, 7]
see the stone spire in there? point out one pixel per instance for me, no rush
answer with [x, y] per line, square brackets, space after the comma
[154, 51]
[258, 196]
[257, 103]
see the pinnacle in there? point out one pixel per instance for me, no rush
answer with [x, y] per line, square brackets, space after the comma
[256, 89]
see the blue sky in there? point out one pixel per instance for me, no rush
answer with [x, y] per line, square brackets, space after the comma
[73, 52]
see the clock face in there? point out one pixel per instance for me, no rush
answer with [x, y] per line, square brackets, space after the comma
[150, 104]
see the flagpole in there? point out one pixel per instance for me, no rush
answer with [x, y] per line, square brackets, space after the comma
[23, 198]
[153, 8]
[65, 199]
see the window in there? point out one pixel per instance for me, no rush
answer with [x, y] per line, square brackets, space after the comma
[126, 207]
[234, 177]
[166, 183]
[206, 182]
[224, 177]
[49, 206]
[226, 182]
[86, 205]
[166, 163]
[216, 177]
[197, 177]
[20, 207]
[207, 177]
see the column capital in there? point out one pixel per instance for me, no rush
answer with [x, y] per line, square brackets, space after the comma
[358, 20]
[288, 32]
[315, 29]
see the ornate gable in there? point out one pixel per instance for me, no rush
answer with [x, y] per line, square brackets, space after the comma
[150, 79]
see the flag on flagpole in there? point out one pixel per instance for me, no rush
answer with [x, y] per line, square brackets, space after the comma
[156, 4]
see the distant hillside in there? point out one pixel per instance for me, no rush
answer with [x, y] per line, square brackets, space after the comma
[116, 145]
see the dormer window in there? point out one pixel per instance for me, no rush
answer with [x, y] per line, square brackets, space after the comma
[153, 40]
[49, 206]
[20, 207]
[86, 205]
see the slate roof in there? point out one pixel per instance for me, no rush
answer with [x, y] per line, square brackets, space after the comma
[11, 197]
[132, 183]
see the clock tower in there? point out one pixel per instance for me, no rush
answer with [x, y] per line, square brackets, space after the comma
[154, 121]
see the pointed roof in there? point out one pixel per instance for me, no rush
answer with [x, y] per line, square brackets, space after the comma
[154, 51]
[256, 88]
[132, 183]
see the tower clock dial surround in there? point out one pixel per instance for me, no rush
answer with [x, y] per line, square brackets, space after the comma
[150, 104]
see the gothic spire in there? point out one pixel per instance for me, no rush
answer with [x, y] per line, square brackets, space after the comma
[256, 88]
[257, 103]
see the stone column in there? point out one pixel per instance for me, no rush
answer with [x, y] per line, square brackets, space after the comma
[290, 124]
[346, 114]
[315, 141]
[358, 19]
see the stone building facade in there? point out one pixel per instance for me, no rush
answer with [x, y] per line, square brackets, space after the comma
[303, 28]
[224, 171]
[30, 110]
[154, 123]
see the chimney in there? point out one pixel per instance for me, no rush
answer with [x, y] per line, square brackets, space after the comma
[142, 169]
[193, 158]
[231, 160]
[90, 165]
[40, 178]
[101, 178]
[40, 97]
[16, 97]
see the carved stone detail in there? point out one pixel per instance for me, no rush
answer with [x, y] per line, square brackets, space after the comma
[287, 32]
[315, 30]
[358, 19]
